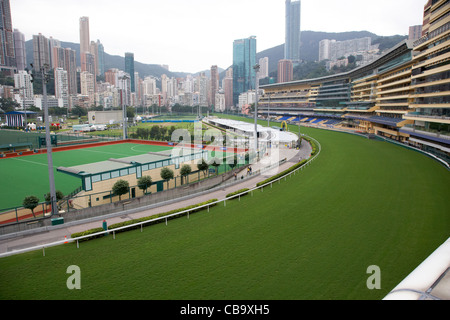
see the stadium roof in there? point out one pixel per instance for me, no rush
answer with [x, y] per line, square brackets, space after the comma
[124, 163]
[249, 129]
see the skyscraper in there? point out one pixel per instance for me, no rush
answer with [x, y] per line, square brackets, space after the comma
[21, 54]
[7, 52]
[285, 71]
[41, 52]
[214, 84]
[62, 86]
[66, 59]
[293, 33]
[101, 58]
[84, 35]
[244, 60]
[129, 68]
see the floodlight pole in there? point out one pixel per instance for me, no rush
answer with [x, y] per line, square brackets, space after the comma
[124, 108]
[51, 176]
[256, 67]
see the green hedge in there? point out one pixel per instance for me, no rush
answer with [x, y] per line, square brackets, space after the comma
[281, 174]
[313, 145]
[242, 192]
[88, 232]
[144, 219]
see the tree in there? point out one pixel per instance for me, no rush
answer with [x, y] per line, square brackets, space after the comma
[166, 174]
[232, 161]
[215, 162]
[203, 166]
[120, 188]
[155, 132]
[59, 196]
[185, 171]
[31, 203]
[144, 183]
[130, 113]
[79, 111]
[142, 133]
[8, 105]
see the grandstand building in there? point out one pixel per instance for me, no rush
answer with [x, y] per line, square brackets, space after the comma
[404, 95]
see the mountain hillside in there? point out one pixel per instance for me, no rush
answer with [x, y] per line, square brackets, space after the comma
[309, 52]
[310, 44]
[113, 61]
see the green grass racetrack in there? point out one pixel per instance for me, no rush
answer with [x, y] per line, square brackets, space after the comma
[361, 203]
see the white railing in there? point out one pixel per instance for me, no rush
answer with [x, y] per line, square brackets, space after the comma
[164, 218]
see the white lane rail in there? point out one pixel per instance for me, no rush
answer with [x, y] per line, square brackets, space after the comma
[164, 218]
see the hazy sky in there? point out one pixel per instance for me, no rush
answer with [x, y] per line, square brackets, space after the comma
[193, 35]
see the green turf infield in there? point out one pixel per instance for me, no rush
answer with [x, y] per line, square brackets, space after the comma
[361, 203]
[28, 175]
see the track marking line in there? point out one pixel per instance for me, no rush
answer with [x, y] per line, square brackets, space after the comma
[33, 162]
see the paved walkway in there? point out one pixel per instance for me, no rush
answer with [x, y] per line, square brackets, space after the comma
[48, 235]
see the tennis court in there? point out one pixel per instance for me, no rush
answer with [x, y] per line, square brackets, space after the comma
[25, 176]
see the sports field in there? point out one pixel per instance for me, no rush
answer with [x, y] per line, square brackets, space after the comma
[25, 176]
[361, 203]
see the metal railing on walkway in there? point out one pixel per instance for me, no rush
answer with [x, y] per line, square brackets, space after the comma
[168, 217]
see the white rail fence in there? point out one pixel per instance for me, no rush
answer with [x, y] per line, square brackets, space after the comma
[166, 218]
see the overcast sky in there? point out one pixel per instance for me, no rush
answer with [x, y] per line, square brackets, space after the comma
[193, 35]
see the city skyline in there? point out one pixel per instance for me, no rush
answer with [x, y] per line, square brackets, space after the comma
[173, 32]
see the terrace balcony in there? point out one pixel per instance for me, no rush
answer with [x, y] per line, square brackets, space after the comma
[430, 135]
[418, 116]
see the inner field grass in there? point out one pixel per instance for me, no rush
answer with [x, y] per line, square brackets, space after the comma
[28, 175]
[361, 203]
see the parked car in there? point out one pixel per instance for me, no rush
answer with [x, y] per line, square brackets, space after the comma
[100, 127]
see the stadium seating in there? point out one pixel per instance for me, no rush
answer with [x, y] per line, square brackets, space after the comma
[386, 120]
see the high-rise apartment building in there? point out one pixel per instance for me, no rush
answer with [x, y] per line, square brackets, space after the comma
[52, 43]
[129, 68]
[88, 63]
[285, 71]
[22, 82]
[66, 59]
[264, 67]
[88, 86]
[244, 61]
[41, 52]
[101, 58]
[124, 85]
[7, 52]
[112, 76]
[62, 86]
[85, 41]
[333, 50]
[21, 53]
[214, 87]
[415, 32]
[293, 31]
